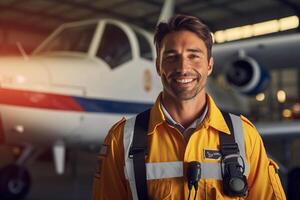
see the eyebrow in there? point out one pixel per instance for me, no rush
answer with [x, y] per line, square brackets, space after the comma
[196, 50]
[193, 50]
[170, 51]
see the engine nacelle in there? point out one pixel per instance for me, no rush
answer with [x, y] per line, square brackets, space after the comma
[247, 76]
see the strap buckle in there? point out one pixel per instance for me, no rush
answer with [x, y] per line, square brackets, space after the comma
[229, 148]
[137, 150]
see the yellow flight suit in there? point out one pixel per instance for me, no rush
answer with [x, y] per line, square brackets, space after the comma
[167, 144]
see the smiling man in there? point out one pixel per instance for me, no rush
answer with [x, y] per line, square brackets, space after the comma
[185, 146]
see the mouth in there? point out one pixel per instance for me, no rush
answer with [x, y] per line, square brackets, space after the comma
[184, 81]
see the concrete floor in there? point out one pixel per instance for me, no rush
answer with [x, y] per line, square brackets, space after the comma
[75, 184]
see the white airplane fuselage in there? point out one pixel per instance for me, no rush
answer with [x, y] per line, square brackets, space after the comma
[74, 99]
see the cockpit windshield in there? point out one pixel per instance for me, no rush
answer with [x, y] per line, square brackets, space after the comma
[70, 39]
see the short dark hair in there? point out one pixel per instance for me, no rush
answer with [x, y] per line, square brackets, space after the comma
[181, 23]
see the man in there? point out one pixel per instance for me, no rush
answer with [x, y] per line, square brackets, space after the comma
[185, 125]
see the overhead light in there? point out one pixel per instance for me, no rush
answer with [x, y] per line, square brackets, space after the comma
[286, 113]
[219, 36]
[288, 23]
[260, 97]
[281, 96]
[262, 28]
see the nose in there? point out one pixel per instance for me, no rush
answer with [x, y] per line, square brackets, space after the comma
[182, 65]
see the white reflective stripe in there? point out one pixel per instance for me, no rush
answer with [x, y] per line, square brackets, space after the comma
[239, 138]
[175, 169]
[164, 170]
[128, 169]
[211, 171]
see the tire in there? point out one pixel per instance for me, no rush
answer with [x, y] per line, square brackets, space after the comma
[14, 182]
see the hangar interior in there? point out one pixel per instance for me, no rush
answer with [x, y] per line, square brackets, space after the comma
[25, 24]
[28, 23]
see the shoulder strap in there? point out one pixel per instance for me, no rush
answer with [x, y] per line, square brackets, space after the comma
[227, 142]
[138, 151]
[234, 180]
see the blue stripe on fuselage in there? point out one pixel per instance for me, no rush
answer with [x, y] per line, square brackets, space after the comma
[112, 106]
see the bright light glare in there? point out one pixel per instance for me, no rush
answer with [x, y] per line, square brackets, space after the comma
[19, 128]
[288, 23]
[260, 97]
[281, 96]
[262, 28]
[20, 79]
[286, 113]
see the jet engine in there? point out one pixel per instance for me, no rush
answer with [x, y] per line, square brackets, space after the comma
[247, 76]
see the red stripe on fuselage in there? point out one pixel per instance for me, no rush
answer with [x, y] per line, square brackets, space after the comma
[38, 100]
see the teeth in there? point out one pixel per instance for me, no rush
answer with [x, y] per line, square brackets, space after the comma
[184, 80]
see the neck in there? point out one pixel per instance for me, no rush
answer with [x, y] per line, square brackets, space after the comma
[184, 111]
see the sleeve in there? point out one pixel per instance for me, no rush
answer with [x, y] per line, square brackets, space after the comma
[109, 179]
[263, 181]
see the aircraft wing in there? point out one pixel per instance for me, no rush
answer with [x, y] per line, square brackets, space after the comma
[272, 130]
[270, 52]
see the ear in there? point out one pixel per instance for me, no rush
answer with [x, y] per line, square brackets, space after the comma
[157, 64]
[210, 65]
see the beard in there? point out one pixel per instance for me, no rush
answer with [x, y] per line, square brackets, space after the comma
[181, 93]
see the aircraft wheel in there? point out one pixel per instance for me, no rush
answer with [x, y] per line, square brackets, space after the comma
[293, 184]
[14, 182]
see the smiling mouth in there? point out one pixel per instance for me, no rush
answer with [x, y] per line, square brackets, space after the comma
[184, 82]
[187, 80]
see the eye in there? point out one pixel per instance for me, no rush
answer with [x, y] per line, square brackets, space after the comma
[194, 56]
[171, 57]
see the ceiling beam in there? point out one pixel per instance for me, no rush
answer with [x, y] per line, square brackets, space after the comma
[16, 25]
[94, 9]
[103, 12]
[33, 13]
[212, 4]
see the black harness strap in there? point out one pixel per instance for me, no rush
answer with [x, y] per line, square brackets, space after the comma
[138, 151]
[227, 142]
[234, 181]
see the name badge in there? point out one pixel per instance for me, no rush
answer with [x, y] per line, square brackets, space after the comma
[212, 154]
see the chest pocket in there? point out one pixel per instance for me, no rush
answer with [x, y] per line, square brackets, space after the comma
[159, 189]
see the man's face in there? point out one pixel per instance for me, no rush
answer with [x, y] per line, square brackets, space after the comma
[183, 65]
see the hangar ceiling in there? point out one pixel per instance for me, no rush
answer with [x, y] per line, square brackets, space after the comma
[30, 22]
[44, 15]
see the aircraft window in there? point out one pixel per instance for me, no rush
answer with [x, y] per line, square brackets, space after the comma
[145, 48]
[115, 47]
[76, 39]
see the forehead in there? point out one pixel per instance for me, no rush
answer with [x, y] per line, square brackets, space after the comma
[182, 39]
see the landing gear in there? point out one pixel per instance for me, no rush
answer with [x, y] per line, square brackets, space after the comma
[14, 178]
[14, 182]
